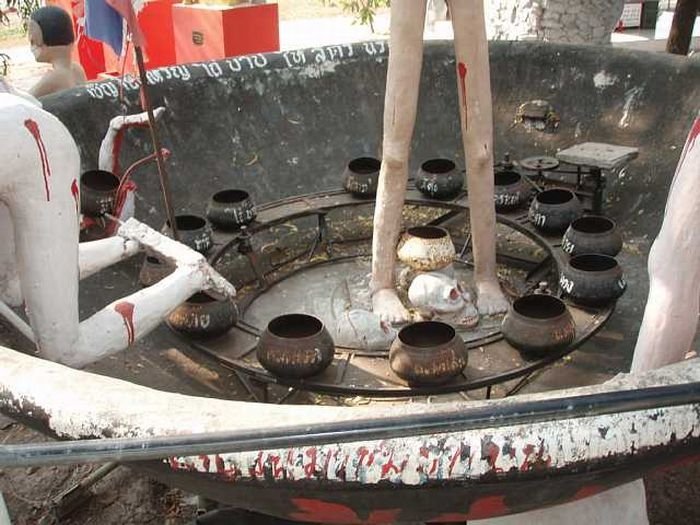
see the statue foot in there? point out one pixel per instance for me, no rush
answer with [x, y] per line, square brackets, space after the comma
[387, 305]
[490, 299]
[469, 317]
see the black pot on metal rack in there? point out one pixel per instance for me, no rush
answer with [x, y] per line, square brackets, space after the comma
[98, 192]
[439, 179]
[361, 176]
[204, 316]
[295, 346]
[231, 209]
[538, 324]
[194, 231]
[427, 353]
[592, 234]
[154, 270]
[592, 279]
[511, 190]
[551, 211]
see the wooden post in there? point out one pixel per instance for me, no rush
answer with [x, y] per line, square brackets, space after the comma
[678, 41]
[155, 139]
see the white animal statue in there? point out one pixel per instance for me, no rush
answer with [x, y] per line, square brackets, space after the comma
[41, 261]
[400, 107]
[436, 295]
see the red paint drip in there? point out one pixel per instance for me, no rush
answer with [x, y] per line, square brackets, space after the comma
[310, 469]
[462, 69]
[454, 459]
[389, 466]
[76, 195]
[220, 466]
[126, 310]
[690, 142]
[33, 128]
[206, 462]
[116, 149]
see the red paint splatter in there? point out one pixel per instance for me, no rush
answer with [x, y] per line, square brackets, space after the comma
[587, 491]
[75, 191]
[310, 468]
[220, 466]
[462, 69]
[33, 128]
[277, 470]
[433, 468]
[490, 453]
[335, 513]
[257, 470]
[389, 466]
[205, 462]
[126, 310]
[116, 149]
[454, 459]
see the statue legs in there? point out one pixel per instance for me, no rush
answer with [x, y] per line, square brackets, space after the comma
[474, 91]
[400, 105]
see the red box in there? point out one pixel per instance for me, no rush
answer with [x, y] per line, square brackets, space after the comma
[210, 32]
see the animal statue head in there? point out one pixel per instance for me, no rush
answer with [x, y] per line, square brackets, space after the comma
[435, 294]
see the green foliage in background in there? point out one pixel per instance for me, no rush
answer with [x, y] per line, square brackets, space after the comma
[363, 10]
[23, 8]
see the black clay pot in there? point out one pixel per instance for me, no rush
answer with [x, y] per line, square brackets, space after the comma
[592, 279]
[98, 192]
[231, 209]
[153, 270]
[510, 190]
[295, 346]
[361, 176]
[194, 232]
[439, 179]
[538, 324]
[427, 353]
[551, 211]
[592, 234]
[204, 316]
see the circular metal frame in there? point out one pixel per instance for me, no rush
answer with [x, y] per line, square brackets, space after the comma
[244, 335]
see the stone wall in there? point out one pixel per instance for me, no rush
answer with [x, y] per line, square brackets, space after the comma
[570, 21]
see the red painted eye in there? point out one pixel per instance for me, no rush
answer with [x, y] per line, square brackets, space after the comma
[454, 294]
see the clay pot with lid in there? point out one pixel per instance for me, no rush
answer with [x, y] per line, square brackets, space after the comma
[426, 248]
[194, 231]
[427, 353]
[592, 279]
[204, 316]
[361, 177]
[295, 346]
[510, 190]
[551, 211]
[98, 192]
[592, 234]
[231, 209]
[538, 324]
[439, 179]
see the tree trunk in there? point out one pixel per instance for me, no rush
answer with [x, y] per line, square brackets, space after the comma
[682, 28]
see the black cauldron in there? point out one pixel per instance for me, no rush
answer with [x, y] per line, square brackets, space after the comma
[230, 209]
[98, 192]
[592, 279]
[551, 211]
[194, 231]
[204, 316]
[511, 190]
[592, 234]
[439, 179]
[295, 346]
[361, 176]
[538, 324]
[427, 353]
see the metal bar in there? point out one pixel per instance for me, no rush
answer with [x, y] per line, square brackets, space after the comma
[16, 321]
[162, 173]
[459, 419]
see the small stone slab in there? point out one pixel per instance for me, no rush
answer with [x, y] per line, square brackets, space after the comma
[598, 155]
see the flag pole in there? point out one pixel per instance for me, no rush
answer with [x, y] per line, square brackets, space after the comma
[155, 139]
